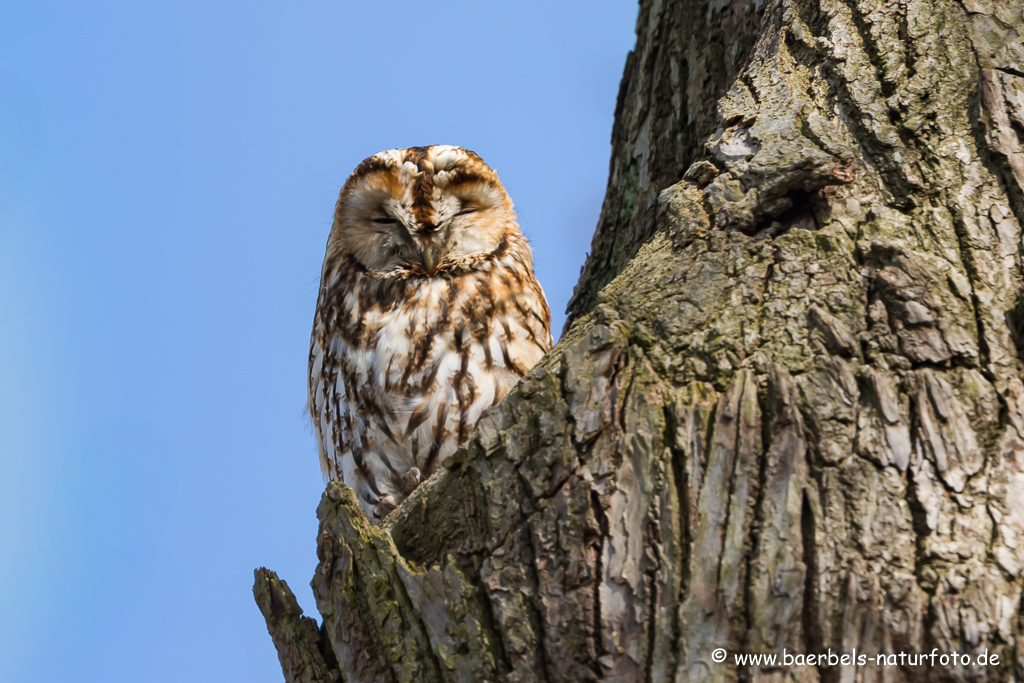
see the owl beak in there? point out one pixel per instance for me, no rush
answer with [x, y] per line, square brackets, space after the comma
[431, 255]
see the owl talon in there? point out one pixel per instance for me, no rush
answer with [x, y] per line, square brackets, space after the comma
[388, 503]
[410, 480]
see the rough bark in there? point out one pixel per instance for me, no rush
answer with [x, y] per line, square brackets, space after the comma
[787, 411]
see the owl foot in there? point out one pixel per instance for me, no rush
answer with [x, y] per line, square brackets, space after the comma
[410, 480]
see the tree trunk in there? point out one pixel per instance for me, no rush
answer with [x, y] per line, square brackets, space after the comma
[787, 412]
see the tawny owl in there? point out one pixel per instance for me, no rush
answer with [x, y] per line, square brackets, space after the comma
[428, 314]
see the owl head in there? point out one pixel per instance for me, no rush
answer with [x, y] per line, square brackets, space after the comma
[421, 211]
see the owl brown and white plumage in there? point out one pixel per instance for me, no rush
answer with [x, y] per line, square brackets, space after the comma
[428, 314]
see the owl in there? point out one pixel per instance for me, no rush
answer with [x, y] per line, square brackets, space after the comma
[428, 314]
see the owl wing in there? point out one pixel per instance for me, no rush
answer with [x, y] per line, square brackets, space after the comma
[351, 426]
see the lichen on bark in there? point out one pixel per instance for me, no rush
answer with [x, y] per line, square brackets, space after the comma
[787, 411]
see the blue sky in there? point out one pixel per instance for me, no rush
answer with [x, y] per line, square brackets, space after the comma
[168, 173]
